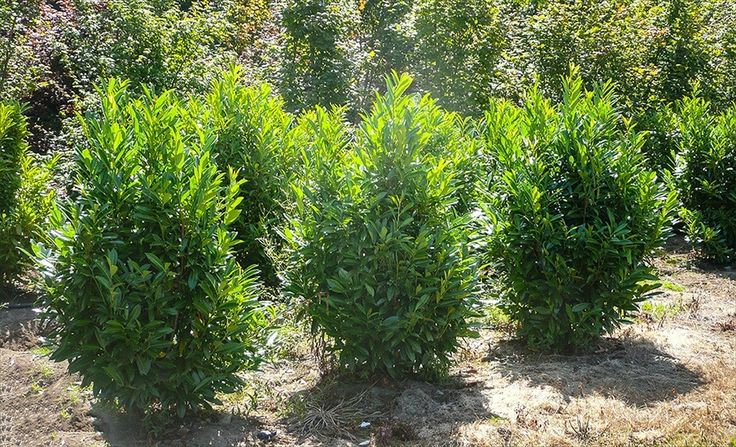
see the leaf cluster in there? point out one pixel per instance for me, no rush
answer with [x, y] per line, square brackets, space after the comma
[26, 197]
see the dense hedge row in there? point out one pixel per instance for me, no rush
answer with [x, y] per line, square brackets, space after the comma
[379, 217]
[379, 234]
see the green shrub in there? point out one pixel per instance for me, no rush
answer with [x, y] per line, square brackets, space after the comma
[660, 147]
[13, 134]
[652, 50]
[380, 260]
[25, 195]
[318, 55]
[150, 305]
[706, 177]
[255, 136]
[459, 44]
[28, 220]
[574, 217]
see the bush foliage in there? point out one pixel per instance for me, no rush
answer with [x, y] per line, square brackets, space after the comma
[26, 197]
[574, 217]
[13, 134]
[256, 137]
[18, 73]
[369, 204]
[152, 308]
[706, 177]
[380, 259]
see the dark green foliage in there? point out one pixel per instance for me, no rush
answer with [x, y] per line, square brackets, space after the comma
[28, 219]
[574, 217]
[683, 55]
[318, 57]
[380, 260]
[706, 177]
[149, 303]
[255, 137]
[25, 195]
[660, 146]
[458, 44]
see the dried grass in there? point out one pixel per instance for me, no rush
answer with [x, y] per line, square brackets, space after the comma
[322, 413]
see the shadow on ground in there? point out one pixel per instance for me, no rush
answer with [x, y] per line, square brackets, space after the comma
[633, 370]
[217, 429]
[16, 296]
[395, 412]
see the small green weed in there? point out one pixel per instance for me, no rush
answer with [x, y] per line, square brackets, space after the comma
[76, 394]
[41, 351]
[37, 388]
[673, 286]
[495, 317]
[657, 311]
[46, 371]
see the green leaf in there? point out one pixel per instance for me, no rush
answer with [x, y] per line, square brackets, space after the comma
[114, 374]
[580, 307]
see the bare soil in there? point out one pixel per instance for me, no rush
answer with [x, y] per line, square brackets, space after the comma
[667, 380]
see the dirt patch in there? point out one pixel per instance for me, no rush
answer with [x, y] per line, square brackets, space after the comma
[21, 329]
[40, 404]
[729, 325]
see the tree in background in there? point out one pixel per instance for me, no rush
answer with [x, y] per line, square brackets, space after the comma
[319, 53]
[682, 54]
[458, 46]
[386, 40]
[18, 72]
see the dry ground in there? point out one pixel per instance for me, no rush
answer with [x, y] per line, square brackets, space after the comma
[669, 380]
